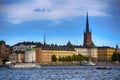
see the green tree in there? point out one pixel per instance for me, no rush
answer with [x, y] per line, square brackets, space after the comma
[60, 59]
[54, 58]
[116, 57]
[70, 45]
[78, 57]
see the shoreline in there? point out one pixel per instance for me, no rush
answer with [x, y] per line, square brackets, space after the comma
[71, 64]
[77, 64]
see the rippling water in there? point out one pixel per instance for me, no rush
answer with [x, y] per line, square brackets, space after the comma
[61, 73]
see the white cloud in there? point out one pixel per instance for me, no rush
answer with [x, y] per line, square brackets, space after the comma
[52, 10]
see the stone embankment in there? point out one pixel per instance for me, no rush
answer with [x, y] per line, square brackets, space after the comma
[77, 64]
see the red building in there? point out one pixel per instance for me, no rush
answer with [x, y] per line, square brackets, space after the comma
[4, 51]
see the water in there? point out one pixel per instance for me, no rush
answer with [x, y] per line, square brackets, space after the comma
[61, 73]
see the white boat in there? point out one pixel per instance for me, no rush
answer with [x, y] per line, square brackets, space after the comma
[87, 63]
[24, 65]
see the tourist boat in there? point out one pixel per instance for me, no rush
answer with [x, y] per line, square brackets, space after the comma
[87, 63]
[24, 65]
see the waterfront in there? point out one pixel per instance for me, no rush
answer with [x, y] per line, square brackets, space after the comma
[61, 73]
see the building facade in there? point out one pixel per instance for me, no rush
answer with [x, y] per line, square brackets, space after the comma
[17, 56]
[87, 52]
[44, 54]
[17, 53]
[4, 51]
[30, 55]
[105, 53]
[23, 46]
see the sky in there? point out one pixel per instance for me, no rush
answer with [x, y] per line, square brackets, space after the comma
[60, 20]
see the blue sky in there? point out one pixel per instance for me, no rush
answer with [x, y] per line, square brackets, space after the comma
[60, 20]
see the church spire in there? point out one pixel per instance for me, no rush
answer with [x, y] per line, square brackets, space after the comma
[87, 23]
[44, 39]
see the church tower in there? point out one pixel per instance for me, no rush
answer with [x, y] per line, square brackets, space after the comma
[87, 35]
[44, 39]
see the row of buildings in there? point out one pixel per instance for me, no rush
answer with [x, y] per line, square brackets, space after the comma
[38, 52]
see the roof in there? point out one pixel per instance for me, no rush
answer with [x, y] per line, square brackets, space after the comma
[84, 46]
[30, 49]
[104, 47]
[28, 43]
[49, 47]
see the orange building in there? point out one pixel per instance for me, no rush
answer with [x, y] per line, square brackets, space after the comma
[44, 54]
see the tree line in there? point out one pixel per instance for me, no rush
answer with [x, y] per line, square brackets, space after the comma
[78, 57]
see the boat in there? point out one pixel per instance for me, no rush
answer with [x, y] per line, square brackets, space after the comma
[24, 65]
[87, 63]
[103, 68]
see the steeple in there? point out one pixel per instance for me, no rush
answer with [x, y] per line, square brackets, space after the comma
[87, 23]
[87, 35]
[116, 48]
[44, 39]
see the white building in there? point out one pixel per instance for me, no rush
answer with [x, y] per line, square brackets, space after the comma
[88, 52]
[30, 55]
[23, 47]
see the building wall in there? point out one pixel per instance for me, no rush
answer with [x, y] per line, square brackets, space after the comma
[46, 55]
[30, 56]
[82, 51]
[22, 47]
[105, 54]
[92, 53]
[13, 57]
[4, 51]
[63, 53]
[20, 57]
[87, 39]
[38, 54]
[88, 52]
[17, 57]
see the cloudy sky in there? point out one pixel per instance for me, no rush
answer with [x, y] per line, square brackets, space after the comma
[60, 20]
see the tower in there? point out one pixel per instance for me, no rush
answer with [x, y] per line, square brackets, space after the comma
[87, 35]
[44, 39]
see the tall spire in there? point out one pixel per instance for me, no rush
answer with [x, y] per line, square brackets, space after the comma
[87, 23]
[44, 39]
[117, 48]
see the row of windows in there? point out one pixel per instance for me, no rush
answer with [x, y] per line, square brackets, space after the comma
[22, 47]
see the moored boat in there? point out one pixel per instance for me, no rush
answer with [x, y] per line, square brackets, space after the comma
[103, 68]
[24, 65]
[87, 63]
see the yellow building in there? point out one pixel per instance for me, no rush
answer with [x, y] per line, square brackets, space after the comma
[44, 54]
[105, 53]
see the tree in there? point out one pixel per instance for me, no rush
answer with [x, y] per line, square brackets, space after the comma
[70, 45]
[116, 57]
[60, 59]
[54, 58]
